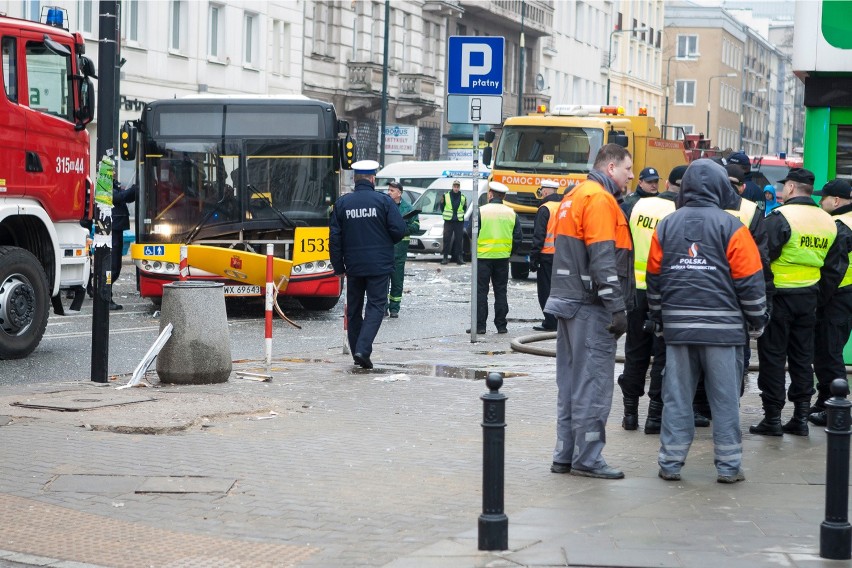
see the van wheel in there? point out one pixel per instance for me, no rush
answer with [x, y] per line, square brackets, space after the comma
[24, 302]
[520, 270]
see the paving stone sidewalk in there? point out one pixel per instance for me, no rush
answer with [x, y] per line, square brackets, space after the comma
[330, 465]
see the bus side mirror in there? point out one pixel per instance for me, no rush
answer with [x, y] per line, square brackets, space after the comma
[347, 152]
[127, 141]
[487, 154]
[489, 136]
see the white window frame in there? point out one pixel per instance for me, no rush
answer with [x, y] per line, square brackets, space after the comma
[132, 21]
[178, 26]
[251, 40]
[685, 99]
[683, 50]
[687, 129]
[32, 10]
[86, 10]
[216, 32]
[281, 36]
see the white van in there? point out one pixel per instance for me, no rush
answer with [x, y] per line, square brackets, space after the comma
[416, 176]
[430, 238]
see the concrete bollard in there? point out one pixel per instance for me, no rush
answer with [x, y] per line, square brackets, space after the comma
[199, 351]
[835, 532]
[493, 522]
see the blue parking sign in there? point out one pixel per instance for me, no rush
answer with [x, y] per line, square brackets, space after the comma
[475, 65]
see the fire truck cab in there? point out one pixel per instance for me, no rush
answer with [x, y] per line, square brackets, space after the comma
[45, 201]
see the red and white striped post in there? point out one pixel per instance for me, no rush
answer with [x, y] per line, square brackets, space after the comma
[346, 350]
[184, 264]
[270, 297]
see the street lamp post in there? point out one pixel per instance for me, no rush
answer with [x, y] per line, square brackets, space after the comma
[668, 82]
[609, 57]
[710, 82]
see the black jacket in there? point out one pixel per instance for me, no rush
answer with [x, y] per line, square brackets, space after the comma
[363, 228]
[836, 261]
[120, 199]
[542, 218]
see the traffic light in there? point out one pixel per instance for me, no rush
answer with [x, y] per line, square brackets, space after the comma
[127, 141]
[347, 153]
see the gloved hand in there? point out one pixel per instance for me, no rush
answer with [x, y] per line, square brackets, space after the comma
[618, 325]
[533, 266]
[755, 333]
[658, 329]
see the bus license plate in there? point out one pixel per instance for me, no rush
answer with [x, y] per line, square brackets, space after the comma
[243, 290]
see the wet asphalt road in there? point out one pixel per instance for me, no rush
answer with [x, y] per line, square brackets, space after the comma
[431, 291]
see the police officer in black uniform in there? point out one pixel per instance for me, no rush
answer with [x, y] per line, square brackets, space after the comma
[363, 228]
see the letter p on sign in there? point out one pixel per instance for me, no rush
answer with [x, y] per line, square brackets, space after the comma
[472, 54]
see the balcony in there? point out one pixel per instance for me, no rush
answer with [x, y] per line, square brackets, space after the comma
[365, 76]
[538, 15]
[419, 87]
[531, 102]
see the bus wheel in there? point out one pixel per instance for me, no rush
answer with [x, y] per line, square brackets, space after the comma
[318, 304]
[520, 270]
[24, 302]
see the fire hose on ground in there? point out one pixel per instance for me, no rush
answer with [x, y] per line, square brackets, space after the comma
[523, 345]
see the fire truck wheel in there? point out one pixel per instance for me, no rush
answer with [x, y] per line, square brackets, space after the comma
[520, 270]
[318, 304]
[24, 302]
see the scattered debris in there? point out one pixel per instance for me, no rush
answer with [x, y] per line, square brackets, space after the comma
[393, 378]
[142, 367]
[254, 376]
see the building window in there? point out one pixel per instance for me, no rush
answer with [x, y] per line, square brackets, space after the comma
[681, 129]
[323, 28]
[251, 36]
[130, 21]
[280, 47]
[685, 92]
[84, 16]
[179, 24]
[32, 10]
[407, 46]
[215, 31]
[430, 46]
[687, 46]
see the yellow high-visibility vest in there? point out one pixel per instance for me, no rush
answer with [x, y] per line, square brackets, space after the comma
[812, 233]
[643, 220]
[497, 222]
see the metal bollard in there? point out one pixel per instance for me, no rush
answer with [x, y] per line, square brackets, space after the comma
[493, 523]
[835, 533]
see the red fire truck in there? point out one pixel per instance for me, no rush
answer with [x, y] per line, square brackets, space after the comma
[45, 188]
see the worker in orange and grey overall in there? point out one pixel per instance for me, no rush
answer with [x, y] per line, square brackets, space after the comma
[541, 253]
[800, 235]
[641, 342]
[834, 308]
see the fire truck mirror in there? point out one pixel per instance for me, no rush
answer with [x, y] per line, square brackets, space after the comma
[86, 113]
[127, 141]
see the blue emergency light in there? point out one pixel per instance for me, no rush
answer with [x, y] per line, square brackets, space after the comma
[55, 17]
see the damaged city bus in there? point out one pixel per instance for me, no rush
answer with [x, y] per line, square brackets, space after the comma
[227, 175]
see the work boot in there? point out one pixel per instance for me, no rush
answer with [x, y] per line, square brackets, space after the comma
[818, 418]
[631, 413]
[798, 424]
[700, 420]
[655, 417]
[771, 423]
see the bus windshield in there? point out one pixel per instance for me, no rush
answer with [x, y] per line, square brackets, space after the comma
[253, 171]
[556, 150]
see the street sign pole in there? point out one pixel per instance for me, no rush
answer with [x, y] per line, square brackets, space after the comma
[474, 234]
[475, 96]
